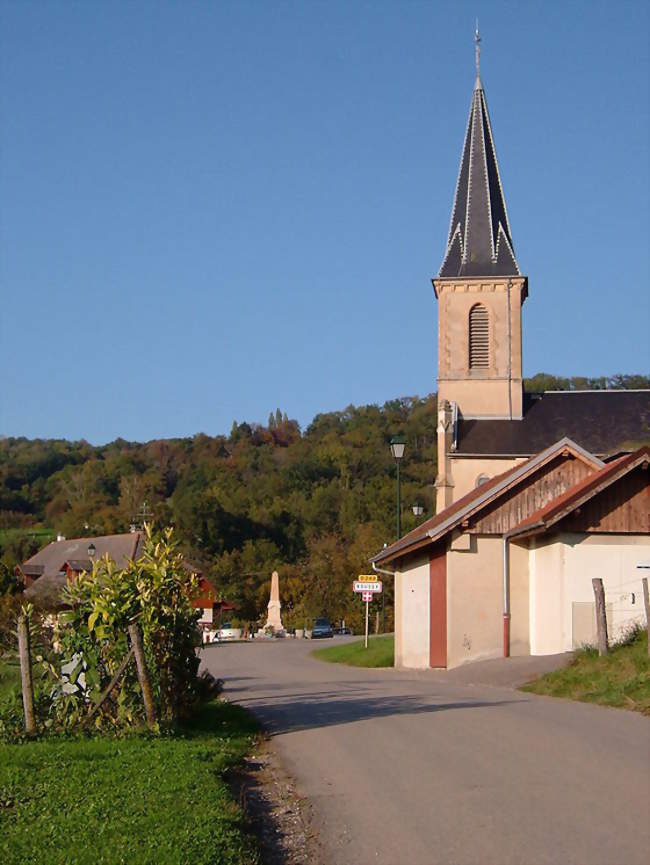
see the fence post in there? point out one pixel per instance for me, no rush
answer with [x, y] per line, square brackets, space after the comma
[646, 603]
[26, 674]
[143, 673]
[601, 616]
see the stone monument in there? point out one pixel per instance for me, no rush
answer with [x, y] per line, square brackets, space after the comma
[273, 619]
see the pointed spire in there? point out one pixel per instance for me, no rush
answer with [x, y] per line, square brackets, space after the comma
[480, 242]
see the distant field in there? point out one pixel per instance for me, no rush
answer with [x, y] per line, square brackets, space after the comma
[380, 653]
[621, 678]
[40, 534]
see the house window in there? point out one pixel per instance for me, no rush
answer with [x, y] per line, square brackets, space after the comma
[479, 337]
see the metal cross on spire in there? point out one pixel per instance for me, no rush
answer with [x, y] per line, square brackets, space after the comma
[477, 43]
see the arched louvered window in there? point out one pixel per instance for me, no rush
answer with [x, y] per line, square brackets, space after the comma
[479, 337]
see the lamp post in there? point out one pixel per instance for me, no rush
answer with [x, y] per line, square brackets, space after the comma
[418, 510]
[397, 444]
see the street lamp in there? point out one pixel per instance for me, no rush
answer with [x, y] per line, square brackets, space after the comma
[92, 549]
[418, 510]
[397, 445]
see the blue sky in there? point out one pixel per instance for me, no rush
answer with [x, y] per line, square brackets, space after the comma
[209, 210]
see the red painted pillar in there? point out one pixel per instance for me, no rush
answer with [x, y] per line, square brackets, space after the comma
[506, 635]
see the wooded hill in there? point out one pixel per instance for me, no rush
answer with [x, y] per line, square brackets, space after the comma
[315, 505]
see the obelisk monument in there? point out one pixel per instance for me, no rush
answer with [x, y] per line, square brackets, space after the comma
[273, 619]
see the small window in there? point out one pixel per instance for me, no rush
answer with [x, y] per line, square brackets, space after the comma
[479, 337]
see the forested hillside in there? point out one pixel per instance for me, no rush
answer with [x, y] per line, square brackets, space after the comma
[313, 504]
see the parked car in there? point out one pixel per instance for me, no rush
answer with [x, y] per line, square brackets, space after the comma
[321, 629]
[227, 632]
[342, 632]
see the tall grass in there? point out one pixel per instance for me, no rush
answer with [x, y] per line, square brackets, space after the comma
[620, 678]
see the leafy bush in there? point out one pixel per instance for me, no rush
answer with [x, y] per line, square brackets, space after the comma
[91, 638]
[9, 609]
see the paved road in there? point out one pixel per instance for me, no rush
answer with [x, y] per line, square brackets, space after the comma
[406, 768]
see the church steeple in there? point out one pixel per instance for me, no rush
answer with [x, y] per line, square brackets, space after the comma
[480, 291]
[479, 242]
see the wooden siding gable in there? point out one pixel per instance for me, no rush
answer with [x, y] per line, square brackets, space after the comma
[532, 493]
[622, 507]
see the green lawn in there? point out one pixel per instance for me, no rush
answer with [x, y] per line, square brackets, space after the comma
[380, 653]
[42, 535]
[9, 675]
[621, 678]
[136, 800]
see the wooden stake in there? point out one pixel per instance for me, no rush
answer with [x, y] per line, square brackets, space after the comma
[116, 678]
[26, 674]
[143, 673]
[601, 616]
[646, 603]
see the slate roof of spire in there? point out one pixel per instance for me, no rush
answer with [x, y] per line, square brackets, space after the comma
[480, 242]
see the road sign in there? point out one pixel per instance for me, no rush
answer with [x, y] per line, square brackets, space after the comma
[358, 586]
[367, 578]
[366, 596]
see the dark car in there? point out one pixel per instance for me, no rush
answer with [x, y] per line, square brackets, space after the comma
[342, 632]
[321, 629]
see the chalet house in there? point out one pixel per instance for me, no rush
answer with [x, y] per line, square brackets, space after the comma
[536, 494]
[46, 573]
[212, 609]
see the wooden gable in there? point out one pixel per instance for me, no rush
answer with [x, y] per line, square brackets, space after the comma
[622, 507]
[532, 493]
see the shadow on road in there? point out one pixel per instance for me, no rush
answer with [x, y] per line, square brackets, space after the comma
[290, 713]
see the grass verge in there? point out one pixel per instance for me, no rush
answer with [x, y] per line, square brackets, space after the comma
[135, 800]
[380, 653]
[621, 678]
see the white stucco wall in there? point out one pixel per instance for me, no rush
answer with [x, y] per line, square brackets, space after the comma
[475, 601]
[412, 615]
[561, 571]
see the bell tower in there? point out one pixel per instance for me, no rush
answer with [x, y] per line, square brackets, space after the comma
[480, 292]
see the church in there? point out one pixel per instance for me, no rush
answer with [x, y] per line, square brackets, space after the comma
[536, 494]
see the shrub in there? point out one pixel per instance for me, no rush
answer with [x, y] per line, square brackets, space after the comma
[91, 636]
